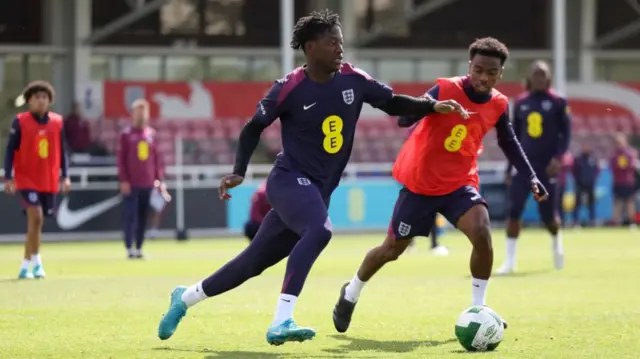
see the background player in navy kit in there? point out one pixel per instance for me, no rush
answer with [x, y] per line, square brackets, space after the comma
[541, 122]
[318, 106]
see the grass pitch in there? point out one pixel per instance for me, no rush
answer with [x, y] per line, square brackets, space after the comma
[96, 304]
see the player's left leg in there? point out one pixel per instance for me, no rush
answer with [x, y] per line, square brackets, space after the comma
[549, 215]
[436, 248]
[518, 196]
[47, 209]
[273, 242]
[144, 206]
[468, 210]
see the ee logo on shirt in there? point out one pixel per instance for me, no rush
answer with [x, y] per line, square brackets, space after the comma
[534, 124]
[43, 148]
[143, 150]
[332, 128]
[623, 162]
[453, 143]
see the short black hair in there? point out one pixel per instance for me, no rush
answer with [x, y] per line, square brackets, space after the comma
[310, 27]
[489, 46]
[37, 87]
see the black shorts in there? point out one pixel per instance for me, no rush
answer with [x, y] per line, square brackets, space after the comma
[414, 215]
[45, 200]
[624, 192]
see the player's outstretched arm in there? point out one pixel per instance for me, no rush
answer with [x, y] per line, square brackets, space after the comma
[512, 149]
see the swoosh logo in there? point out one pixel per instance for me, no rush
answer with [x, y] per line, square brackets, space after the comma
[68, 219]
[308, 107]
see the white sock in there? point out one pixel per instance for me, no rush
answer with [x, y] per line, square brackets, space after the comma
[25, 264]
[556, 243]
[284, 309]
[36, 260]
[193, 295]
[478, 291]
[131, 252]
[511, 251]
[153, 233]
[353, 289]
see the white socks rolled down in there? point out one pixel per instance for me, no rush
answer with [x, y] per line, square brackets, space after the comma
[284, 308]
[194, 295]
[353, 289]
[479, 291]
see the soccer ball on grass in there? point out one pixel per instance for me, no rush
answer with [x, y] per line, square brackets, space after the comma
[479, 329]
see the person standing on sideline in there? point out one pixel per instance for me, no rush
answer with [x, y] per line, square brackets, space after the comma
[623, 168]
[259, 208]
[585, 174]
[139, 171]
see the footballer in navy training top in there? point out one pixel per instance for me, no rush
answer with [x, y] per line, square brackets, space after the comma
[318, 106]
[542, 124]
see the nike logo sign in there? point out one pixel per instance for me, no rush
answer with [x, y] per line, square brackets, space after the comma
[475, 285]
[285, 300]
[68, 219]
[308, 107]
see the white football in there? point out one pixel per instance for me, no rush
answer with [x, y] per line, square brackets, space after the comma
[479, 329]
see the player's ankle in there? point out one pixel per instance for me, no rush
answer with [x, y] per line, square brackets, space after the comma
[194, 295]
[353, 289]
[284, 308]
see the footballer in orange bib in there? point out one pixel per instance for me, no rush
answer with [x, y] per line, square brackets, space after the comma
[35, 162]
[438, 168]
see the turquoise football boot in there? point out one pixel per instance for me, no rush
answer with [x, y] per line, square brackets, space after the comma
[177, 310]
[38, 272]
[25, 274]
[289, 331]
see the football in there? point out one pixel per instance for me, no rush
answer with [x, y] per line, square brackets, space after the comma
[479, 329]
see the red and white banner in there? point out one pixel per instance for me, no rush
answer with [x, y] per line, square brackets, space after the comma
[179, 101]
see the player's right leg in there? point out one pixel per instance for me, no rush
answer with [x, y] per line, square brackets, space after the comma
[144, 206]
[518, 196]
[549, 216]
[273, 242]
[35, 219]
[413, 215]
[130, 220]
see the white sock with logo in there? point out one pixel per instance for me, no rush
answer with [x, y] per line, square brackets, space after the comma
[479, 291]
[25, 264]
[353, 289]
[36, 260]
[194, 295]
[284, 309]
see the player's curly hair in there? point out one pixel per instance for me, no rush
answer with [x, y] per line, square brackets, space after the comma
[489, 46]
[37, 87]
[308, 28]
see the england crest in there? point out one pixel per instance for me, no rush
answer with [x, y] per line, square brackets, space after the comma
[348, 96]
[404, 229]
[546, 105]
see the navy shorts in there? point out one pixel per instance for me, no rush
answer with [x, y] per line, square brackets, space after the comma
[45, 200]
[520, 190]
[414, 215]
[624, 192]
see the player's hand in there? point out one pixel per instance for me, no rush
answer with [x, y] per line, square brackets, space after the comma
[448, 106]
[226, 183]
[554, 167]
[162, 187]
[125, 188]
[9, 187]
[66, 186]
[539, 192]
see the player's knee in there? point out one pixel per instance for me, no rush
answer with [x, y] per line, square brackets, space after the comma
[552, 223]
[320, 233]
[35, 218]
[481, 237]
[392, 248]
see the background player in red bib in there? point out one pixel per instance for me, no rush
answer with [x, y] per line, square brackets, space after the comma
[438, 168]
[34, 161]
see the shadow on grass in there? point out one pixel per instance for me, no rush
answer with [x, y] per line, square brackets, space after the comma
[241, 354]
[530, 273]
[351, 344]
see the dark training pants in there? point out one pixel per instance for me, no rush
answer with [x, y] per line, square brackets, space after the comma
[135, 214]
[298, 226]
[251, 229]
[589, 192]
